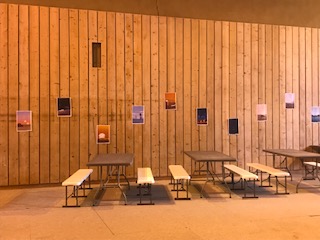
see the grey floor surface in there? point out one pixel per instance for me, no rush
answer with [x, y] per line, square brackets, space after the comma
[37, 213]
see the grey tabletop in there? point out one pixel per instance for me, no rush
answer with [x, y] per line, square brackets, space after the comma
[105, 159]
[209, 156]
[293, 153]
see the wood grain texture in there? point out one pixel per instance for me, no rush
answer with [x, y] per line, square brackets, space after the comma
[226, 67]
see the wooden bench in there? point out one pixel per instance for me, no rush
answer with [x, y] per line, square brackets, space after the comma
[245, 177]
[145, 178]
[178, 176]
[272, 172]
[77, 180]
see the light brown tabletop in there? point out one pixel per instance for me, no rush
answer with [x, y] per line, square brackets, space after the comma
[209, 156]
[293, 153]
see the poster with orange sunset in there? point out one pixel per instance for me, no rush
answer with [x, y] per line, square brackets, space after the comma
[24, 121]
[103, 134]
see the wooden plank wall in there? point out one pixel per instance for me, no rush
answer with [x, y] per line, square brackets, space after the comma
[227, 67]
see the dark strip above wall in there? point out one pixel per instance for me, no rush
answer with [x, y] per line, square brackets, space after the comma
[280, 12]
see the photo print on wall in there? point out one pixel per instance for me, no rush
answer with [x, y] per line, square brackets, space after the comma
[262, 112]
[170, 101]
[202, 116]
[289, 99]
[233, 126]
[137, 114]
[64, 107]
[315, 114]
[24, 121]
[103, 134]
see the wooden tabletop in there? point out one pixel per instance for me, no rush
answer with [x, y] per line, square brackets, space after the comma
[209, 156]
[105, 159]
[293, 153]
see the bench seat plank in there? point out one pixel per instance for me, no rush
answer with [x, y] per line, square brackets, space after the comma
[244, 174]
[78, 177]
[178, 172]
[313, 164]
[145, 176]
[273, 171]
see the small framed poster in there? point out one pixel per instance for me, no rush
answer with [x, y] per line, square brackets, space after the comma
[202, 116]
[170, 101]
[137, 114]
[233, 126]
[315, 114]
[262, 112]
[289, 99]
[24, 121]
[103, 134]
[64, 107]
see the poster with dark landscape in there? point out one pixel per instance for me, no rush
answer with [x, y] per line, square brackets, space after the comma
[64, 107]
[24, 121]
[315, 114]
[289, 99]
[103, 134]
[233, 126]
[262, 112]
[202, 116]
[170, 101]
[138, 114]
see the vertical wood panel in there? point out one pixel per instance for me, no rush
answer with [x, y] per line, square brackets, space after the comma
[295, 90]
[240, 93]
[102, 80]
[163, 128]
[233, 87]
[64, 92]
[34, 95]
[83, 88]
[302, 86]
[109, 104]
[225, 85]
[276, 85]
[202, 81]
[146, 84]
[137, 87]
[315, 81]
[13, 68]
[262, 90]
[194, 83]
[129, 85]
[44, 96]
[54, 93]
[248, 111]
[288, 88]
[154, 90]
[120, 76]
[255, 92]
[187, 91]
[93, 88]
[308, 86]
[4, 95]
[282, 85]
[218, 86]
[74, 89]
[269, 91]
[24, 91]
[180, 93]
[171, 87]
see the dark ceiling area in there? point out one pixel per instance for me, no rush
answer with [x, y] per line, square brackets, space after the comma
[280, 12]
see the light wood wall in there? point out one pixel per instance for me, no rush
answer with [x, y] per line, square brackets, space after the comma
[227, 67]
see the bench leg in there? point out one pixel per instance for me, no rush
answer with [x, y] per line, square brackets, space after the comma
[148, 193]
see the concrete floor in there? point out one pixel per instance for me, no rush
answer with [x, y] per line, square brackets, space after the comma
[37, 213]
